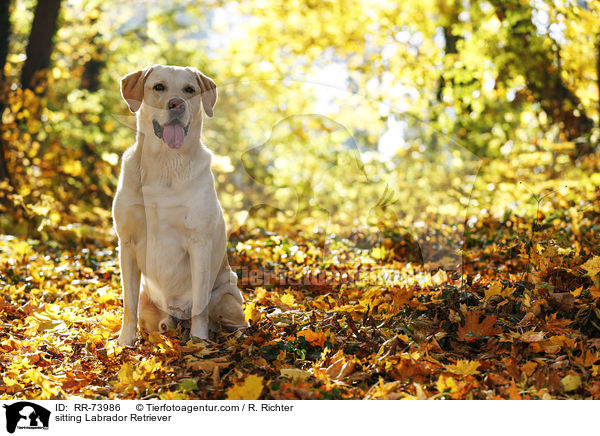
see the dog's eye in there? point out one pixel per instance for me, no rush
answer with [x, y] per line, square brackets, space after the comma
[189, 90]
[159, 87]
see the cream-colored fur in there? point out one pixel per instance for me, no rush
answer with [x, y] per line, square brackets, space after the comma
[171, 230]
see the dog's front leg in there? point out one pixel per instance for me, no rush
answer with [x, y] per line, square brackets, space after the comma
[200, 262]
[130, 280]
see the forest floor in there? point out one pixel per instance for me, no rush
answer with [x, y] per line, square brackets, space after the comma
[331, 317]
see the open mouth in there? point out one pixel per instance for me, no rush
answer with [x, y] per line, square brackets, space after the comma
[173, 134]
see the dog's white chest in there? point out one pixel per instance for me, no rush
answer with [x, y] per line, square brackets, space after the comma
[183, 211]
[175, 219]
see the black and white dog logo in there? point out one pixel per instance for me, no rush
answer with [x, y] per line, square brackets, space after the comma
[26, 415]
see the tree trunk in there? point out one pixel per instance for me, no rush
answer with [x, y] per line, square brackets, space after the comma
[598, 73]
[449, 18]
[450, 40]
[4, 34]
[39, 46]
[4, 40]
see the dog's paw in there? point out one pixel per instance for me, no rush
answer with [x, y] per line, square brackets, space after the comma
[126, 339]
[228, 312]
[199, 329]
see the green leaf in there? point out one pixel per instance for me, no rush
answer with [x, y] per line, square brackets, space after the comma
[188, 385]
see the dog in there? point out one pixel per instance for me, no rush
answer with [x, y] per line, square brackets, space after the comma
[170, 225]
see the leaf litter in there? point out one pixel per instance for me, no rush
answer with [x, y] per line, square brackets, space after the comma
[520, 320]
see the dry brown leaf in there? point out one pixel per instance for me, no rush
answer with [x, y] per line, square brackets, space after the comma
[473, 329]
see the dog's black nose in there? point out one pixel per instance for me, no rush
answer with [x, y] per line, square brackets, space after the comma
[176, 105]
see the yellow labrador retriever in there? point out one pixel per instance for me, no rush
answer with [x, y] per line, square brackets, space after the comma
[171, 230]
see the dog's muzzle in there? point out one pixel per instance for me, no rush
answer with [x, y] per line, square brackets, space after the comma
[173, 133]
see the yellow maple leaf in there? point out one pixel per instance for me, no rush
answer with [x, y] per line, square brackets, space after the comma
[261, 294]
[145, 368]
[497, 289]
[249, 389]
[464, 367]
[494, 289]
[125, 373]
[288, 299]
[592, 266]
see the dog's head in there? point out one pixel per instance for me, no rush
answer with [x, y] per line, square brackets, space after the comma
[169, 99]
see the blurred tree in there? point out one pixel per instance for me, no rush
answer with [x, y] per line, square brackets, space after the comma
[4, 43]
[537, 58]
[39, 47]
[462, 62]
[598, 71]
[449, 20]
[38, 52]
[4, 33]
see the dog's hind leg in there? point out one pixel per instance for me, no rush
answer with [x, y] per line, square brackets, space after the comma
[225, 306]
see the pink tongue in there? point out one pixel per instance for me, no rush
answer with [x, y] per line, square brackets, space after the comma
[173, 135]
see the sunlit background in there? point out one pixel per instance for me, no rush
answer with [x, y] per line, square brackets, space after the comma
[331, 114]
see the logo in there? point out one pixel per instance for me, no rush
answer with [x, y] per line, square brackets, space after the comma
[26, 415]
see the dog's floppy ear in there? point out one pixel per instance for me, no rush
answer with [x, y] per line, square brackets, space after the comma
[209, 92]
[132, 87]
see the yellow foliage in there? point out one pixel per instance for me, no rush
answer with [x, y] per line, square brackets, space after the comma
[592, 266]
[73, 168]
[294, 373]
[48, 391]
[382, 253]
[249, 389]
[111, 321]
[497, 289]
[446, 383]
[571, 382]
[464, 367]
[136, 375]
[288, 299]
